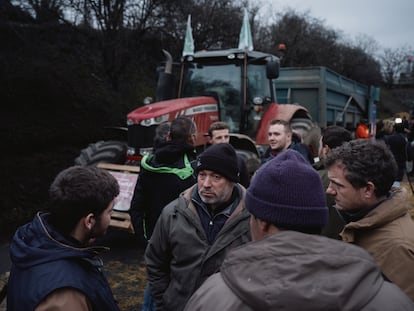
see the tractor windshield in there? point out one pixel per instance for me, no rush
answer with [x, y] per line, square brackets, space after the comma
[225, 82]
[222, 81]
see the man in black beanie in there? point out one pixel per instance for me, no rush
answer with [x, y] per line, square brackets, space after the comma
[219, 133]
[195, 231]
[288, 266]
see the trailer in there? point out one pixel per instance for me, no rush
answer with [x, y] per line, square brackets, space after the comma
[330, 98]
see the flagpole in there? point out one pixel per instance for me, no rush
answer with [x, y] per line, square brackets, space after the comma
[245, 44]
[188, 50]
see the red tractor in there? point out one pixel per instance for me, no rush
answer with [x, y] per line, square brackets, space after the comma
[236, 86]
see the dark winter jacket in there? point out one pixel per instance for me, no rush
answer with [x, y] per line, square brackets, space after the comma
[163, 176]
[397, 143]
[243, 171]
[179, 257]
[299, 147]
[43, 261]
[292, 271]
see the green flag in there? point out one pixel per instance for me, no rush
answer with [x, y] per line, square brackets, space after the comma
[245, 38]
[189, 41]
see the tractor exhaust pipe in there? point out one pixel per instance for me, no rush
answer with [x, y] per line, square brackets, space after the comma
[165, 84]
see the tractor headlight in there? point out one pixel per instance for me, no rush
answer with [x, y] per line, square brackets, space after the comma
[258, 100]
[155, 121]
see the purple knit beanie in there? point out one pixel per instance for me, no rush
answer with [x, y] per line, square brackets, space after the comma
[287, 191]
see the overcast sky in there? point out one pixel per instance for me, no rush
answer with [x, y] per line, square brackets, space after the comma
[389, 22]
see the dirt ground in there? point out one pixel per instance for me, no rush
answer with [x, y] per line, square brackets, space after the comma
[125, 269]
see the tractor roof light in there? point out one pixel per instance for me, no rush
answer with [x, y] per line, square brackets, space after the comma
[147, 100]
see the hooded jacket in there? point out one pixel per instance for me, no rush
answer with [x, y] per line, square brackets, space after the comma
[295, 271]
[44, 261]
[387, 233]
[179, 257]
[163, 176]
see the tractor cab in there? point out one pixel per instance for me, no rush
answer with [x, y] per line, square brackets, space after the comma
[241, 81]
[235, 86]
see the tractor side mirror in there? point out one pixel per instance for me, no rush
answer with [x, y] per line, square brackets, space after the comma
[272, 69]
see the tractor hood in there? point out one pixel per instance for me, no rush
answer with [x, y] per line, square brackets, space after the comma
[163, 111]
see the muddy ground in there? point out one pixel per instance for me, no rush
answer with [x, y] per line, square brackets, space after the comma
[123, 265]
[125, 269]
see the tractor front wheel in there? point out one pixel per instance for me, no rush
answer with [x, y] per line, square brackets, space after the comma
[103, 151]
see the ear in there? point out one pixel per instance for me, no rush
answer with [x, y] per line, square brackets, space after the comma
[326, 150]
[264, 226]
[192, 139]
[89, 221]
[369, 190]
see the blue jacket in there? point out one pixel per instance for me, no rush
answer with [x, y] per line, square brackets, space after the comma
[43, 261]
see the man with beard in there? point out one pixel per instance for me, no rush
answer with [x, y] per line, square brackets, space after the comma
[288, 265]
[195, 231]
[54, 266]
[218, 133]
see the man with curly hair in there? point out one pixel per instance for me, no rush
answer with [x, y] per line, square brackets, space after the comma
[361, 174]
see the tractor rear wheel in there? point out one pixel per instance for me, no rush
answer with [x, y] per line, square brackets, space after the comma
[251, 159]
[103, 151]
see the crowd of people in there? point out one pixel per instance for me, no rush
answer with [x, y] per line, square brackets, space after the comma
[300, 234]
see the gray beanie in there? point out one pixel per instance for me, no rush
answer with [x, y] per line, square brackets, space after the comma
[287, 191]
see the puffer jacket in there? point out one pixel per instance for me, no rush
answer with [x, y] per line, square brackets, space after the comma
[44, 261]
[179, 257]
[292, 271]
[387, 233]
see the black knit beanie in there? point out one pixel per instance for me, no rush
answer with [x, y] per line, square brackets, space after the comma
[287, 191]
[219, 158]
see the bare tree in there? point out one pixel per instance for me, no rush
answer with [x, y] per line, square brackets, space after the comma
[393, 62]
[308, 42]
[43, 11]
[367, 44]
